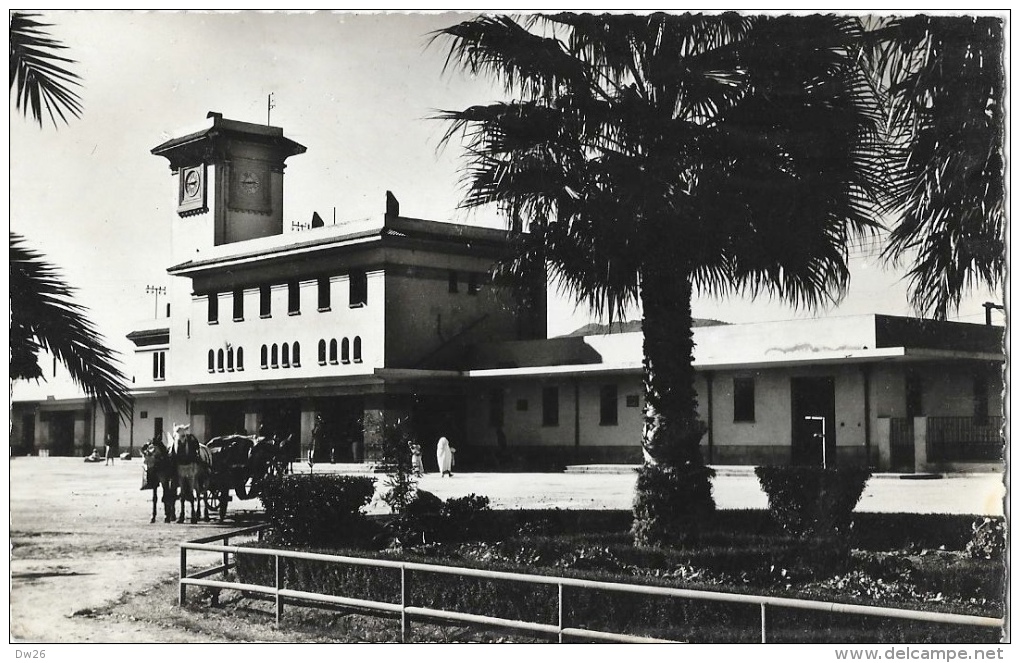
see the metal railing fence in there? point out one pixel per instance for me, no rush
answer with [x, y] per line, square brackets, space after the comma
[964, 439]
[406, 611]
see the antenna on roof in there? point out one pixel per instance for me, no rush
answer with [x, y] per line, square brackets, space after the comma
[269, 107]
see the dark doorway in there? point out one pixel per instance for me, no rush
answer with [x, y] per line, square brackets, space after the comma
[61, 425]
[224, 418]
[433, 417]
[157, 428]
[112, 434]
[813, 402]
[281, 418]
[342, 436]
[27, 434]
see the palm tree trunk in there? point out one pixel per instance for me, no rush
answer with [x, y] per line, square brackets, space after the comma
[674, 490]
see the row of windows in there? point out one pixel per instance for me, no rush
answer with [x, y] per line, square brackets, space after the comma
[275, 356]
[220, 360]
[743, 404]
[345, 351]
[608, 406]
[358, 298]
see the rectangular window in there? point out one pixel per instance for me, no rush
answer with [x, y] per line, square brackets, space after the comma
[980, 400]
[607, 405]
[743, 399]
[550, 406]
[265, 301]
[359, 289]
[496, 408]
[158, 365]
[293, 298]
[214, 307]
[453, 281]
[324, 293]
[238, 305]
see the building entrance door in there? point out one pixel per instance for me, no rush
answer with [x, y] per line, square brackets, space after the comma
[224, 418]
[61, 430]
[111, 436]
[813, 408]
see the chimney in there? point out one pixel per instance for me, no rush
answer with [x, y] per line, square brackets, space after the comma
[392, 206]
[317, 221]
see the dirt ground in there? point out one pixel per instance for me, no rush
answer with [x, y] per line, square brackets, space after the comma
[81, 539]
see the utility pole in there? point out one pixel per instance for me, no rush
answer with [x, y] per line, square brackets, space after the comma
[269, 107]
[156, 291]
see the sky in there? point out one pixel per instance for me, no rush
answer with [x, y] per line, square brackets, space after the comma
[358, 90]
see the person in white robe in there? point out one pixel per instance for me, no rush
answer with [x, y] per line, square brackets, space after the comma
[444, 455]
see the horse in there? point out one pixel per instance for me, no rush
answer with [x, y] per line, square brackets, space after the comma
[193, 463]
[159, 473]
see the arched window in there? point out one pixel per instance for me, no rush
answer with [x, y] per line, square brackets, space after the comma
[332, 351]
[297, 354]
[286, 356]
[219, 360]
[265, 357]
[275, 356]
[322, 351]
[230, 359]
[357, 349]
[240, 359]
[345, 351]
[212, 361]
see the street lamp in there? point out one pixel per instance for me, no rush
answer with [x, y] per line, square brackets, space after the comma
[157, 291]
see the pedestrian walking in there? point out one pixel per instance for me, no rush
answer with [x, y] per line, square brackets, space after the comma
[417, 466]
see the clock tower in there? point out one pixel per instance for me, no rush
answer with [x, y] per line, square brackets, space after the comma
[229, 182]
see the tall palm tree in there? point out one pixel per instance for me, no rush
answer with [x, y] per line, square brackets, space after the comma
[650, 157]
[43, 313]
[944, 78]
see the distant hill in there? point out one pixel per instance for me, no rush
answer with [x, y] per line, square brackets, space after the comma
[595, 328]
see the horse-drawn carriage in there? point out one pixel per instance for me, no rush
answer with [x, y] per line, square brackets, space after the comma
[205, 474]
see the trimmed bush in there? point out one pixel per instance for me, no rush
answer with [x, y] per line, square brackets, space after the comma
[812, 501]
[317, 509]
[988, 540]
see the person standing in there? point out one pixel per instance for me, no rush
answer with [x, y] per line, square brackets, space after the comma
[417, 466]
[444, 455]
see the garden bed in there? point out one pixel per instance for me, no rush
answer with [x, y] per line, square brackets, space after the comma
[903, 561]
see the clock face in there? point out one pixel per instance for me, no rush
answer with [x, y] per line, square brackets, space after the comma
[192, 184]
[250, 182]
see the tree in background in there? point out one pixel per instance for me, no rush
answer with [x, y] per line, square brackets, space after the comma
[943, 79]
[652, 156]
[44, 315]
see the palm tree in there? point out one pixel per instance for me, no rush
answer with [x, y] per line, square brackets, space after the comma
[650, 157]
[44, 317]
[43, 313]
[943, 77]
[38, 73]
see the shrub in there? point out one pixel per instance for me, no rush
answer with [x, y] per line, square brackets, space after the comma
[401, 482]
[812, 501]
[427, 520]
[317, 509]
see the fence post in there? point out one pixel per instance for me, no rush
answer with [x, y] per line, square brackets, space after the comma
[405, 590]
[181, 587]
[226, 557]
[279, 583]
[559, 586]
[763, 639]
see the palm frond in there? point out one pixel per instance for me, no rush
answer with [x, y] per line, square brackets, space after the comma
[45, 317]
[39, 78]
